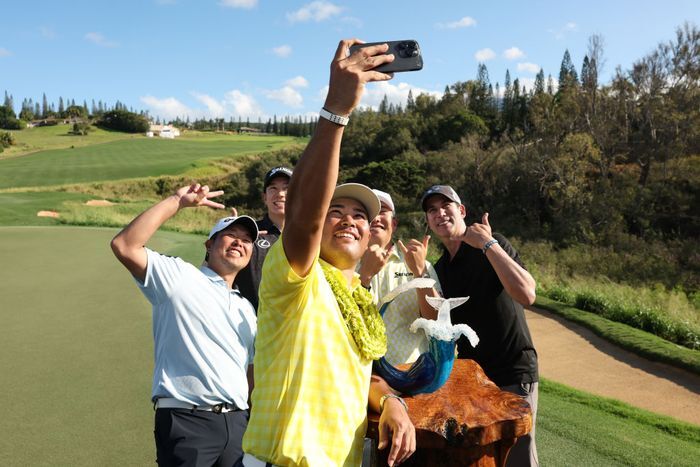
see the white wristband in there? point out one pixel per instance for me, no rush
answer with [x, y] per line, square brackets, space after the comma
[337, 119]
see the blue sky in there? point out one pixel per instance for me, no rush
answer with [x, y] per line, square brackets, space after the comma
[258, 58]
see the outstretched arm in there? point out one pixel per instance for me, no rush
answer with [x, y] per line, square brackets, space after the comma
[128, 245]
[316, 174]
[519, 283]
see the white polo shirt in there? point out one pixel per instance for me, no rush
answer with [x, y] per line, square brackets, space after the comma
[403, 346]
[203, 333]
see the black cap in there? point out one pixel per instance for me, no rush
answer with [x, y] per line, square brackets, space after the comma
[276, 172]
[444, 190]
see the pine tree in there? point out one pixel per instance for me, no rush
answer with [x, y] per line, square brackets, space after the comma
[539, 82]
[384, 105]
[567, 72]
[550, 85]
[61, 108]
[507, 107]
[44, 106]
[410, 102]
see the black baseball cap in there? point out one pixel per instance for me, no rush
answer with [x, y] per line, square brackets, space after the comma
[276, 172]
[444, 190]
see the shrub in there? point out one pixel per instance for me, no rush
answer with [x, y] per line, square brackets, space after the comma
[81, 128]
[123, 120]
[7, 139]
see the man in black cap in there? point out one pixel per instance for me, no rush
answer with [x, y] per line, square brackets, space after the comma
[482, 265]
[274, 196]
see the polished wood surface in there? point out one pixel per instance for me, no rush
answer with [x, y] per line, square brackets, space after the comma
[469, 421]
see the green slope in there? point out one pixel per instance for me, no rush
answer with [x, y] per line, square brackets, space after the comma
[128, 158]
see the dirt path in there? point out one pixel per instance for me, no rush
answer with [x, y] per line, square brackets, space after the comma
[571, 354]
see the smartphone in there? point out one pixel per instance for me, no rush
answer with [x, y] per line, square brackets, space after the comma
[407, 56]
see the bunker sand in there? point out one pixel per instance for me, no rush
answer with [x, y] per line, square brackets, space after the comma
[573, 355]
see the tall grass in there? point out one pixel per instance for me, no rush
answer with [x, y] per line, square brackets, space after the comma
[652, 306]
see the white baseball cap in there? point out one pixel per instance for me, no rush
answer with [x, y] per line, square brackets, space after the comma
[246, 222]
[385, 198]
[361, 193]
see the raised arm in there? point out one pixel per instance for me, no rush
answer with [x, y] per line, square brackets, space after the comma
[128, 245]
[519, 283]
[414, 253]
[316, 173]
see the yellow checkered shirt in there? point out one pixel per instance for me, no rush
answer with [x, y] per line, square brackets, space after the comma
[309, 405]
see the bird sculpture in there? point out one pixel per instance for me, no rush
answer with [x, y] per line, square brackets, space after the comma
[432, 368]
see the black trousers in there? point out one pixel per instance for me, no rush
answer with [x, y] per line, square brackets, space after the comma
[198, 438]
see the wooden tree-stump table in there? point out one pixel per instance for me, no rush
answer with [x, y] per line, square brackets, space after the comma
[469, 421]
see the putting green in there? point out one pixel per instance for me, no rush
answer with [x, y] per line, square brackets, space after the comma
[76, 348]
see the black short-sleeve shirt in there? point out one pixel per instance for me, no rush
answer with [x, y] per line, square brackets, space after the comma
[505, 349]
[248, 279]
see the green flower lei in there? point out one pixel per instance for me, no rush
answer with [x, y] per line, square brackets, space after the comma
[361, 316]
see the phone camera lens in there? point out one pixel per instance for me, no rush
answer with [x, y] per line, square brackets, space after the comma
[408, 49]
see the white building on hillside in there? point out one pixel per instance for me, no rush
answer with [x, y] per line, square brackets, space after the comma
[164, 131]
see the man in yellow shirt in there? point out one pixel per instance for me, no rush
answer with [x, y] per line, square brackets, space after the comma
[318, 331]
[385, 266]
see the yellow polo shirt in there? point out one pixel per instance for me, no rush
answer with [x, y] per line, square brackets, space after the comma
[309, 404]
[403, 346]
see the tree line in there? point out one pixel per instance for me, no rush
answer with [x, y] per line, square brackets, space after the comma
[573, 161]
[570, 160]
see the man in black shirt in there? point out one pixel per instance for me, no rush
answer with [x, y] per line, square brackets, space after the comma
[485, 267]
[270, 226]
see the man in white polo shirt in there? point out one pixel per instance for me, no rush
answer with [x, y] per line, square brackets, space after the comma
[203, 332]
[387, 264]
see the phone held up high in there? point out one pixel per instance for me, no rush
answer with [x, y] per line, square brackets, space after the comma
[407, 56]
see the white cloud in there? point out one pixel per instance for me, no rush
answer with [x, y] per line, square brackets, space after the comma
[513, 53]
[247, 4]
[4, 52]
[297, 82]
[243, 105]
[562, 31]
[167, 108]
[47, 32]
[396, 94]
[528, 67]
[283, 51]
[315, 11]
[214, 108]
[98, 39]
[352, 22]
[465, 22]
[286, 95]
[528, 83]
[234, 104]
[484, 55]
